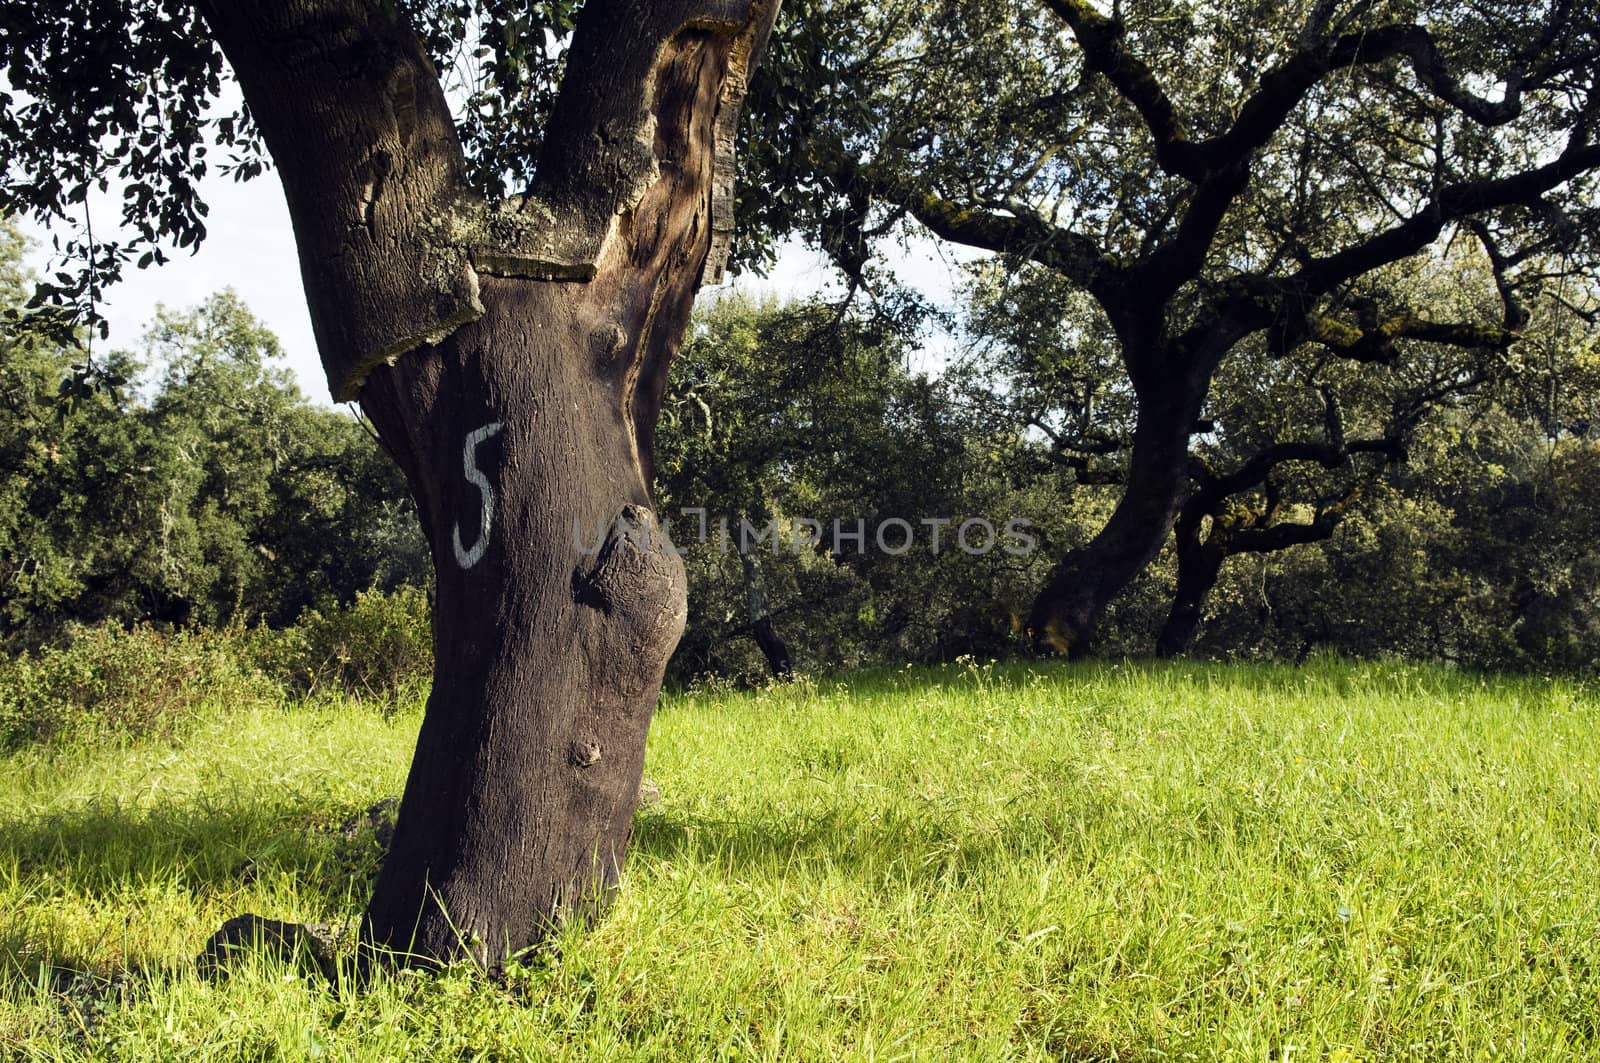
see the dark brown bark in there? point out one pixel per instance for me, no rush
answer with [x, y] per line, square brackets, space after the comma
[773, 648]
[762, 629]
[1199, 564]
[518, 807]
[512, 359]
[1214, 524]
[1072, 602]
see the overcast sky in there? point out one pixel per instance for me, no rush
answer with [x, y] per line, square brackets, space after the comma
[250, 249]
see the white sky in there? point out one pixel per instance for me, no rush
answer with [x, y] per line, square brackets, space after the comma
[250, 248]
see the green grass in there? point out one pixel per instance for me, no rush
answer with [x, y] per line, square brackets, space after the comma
[1088, 862]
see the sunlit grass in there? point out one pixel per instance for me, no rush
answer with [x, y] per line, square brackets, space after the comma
[1087, 862]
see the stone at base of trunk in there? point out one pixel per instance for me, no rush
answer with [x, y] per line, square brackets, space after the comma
[310, 944]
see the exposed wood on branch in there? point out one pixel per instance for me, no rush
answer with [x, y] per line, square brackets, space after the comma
[392, 253]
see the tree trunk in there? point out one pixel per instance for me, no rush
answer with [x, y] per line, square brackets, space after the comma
[1199, 564]
[550, 638]
[513, 359]
[761, 627]
[1080, 587]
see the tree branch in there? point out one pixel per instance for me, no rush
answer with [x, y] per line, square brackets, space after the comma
[1453, 203]
[1019, 232]
[1103, 51]
[1515, 316]
[1375, 341]
[391, 241]
[1281, 536]
[1220, 165]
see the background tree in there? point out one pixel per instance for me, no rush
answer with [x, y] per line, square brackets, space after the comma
[808, 413]
[1296, 438]
[70, 487]
[191, 484]
[274, 505]
[1470, 551]
[1290, 445]
[1200, 195]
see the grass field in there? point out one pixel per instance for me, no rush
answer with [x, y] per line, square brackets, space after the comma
[1070, 862]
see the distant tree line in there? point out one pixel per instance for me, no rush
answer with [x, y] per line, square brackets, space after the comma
[1443, 507]
[188, 484]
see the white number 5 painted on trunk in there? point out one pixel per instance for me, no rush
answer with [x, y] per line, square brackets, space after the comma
[469, 464]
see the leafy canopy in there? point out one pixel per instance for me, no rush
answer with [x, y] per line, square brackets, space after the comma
[133, 98]
[1269, 152]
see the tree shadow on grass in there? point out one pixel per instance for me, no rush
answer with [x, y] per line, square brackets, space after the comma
[104, 851]
[198, 846]
[106, 855]
[852, 842]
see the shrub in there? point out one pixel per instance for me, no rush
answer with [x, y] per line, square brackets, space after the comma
[379, 647]
[111, 680]
[138, 682]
